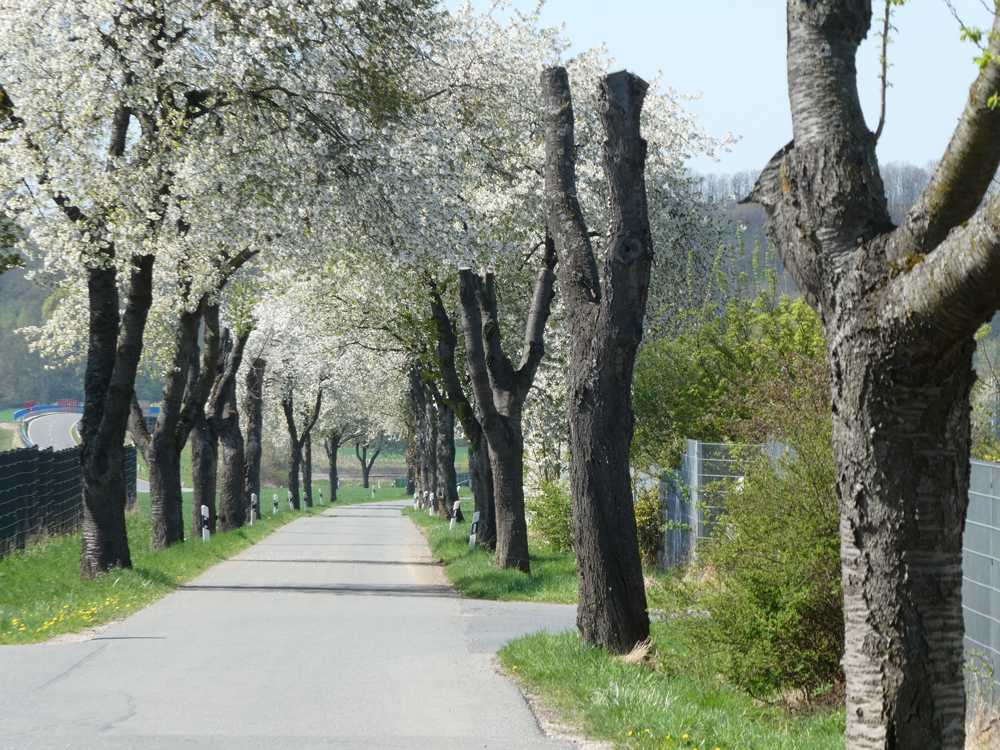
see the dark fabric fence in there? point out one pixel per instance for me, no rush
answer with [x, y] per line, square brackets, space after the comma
[40, 493]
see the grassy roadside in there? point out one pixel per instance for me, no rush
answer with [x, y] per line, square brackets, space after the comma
[41, 594]
[552, 579]
[675, 701]
[665, 707]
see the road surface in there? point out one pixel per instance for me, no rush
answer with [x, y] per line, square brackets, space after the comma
[52, 430]
[337, 632]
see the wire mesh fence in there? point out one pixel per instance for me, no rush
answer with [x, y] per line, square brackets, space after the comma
[40, 493]
[694, 496]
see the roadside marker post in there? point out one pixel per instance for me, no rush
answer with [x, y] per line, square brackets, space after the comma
[416, 502]
[454, 515]
[204, 524]
[321, 496]
[275, 503]
[475, 527]
[373, 493]
[290, 506]
[253, 507]
[430, 505]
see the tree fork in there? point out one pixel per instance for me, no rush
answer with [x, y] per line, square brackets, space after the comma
[605, 331]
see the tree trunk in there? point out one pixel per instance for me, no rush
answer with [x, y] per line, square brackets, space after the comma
[481, 479]
[447, 481]
[253, 408]
[430, 445]
[112, 361]
[184, 396]
[204, 472]
[332, 445]
[605, 327]
[500, 392]
[295, 453]
[899, 308]
[480, 471]
[418, 406]
[307, 469]
[233, 498]
[297, 439]
[361, 451]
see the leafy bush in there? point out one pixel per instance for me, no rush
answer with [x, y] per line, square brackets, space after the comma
[774, 600]
[550, 516]
[649, 524]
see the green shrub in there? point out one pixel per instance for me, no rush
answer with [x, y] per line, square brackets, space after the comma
[550, 516]
[648, 524]
[774, 601]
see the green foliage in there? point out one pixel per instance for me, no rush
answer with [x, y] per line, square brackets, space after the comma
[639, 706]
[648, 523]
[774, 598]
[704, 383]
[471, 570]
[750, 370]
[550, 516]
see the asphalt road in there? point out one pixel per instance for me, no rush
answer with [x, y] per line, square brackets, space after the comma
[338, 631]
[53, 430]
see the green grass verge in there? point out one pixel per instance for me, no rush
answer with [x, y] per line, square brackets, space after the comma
[7, 415]
[41, 594]
[552, 579]
[639, 706]
[6, 440]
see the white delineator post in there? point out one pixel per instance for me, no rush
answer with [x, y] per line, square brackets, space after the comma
[290, 506]
[205, 533]
[321, 496]
[454, 516]
[475, 527]
[275, 503]
[430, 505]
[416, 502]
[373, 493]
[253, 507]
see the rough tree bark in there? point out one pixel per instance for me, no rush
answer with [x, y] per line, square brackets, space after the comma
[480, 471]
[899, 308]
[297, 439]
[178, 411]
[605, 327]
[307, 470]
[253, 409]
[447, 482]
[500, 391]
[113, 352]
[429, 462]
[225, 417]
[204, 459]
[332, 441]
[114, 348]
[418, 415]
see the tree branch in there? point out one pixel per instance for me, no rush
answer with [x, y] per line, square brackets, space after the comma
[580, 282]
[538, 316]
[965, 171]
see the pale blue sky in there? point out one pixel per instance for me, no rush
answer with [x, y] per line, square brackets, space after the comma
[732, 52]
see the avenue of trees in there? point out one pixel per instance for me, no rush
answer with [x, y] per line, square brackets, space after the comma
[359, 223]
